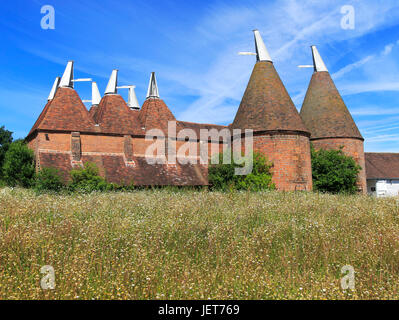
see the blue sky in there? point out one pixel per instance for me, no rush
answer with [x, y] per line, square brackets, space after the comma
[193, 45]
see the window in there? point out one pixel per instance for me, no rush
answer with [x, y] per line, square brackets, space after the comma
[373, 189]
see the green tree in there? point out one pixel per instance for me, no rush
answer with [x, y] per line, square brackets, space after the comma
[19, 167]
[222, 176]
[5, 141]
[333, 171]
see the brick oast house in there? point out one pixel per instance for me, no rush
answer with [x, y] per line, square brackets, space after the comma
[112, 133]
[330, 123]
[278, 130]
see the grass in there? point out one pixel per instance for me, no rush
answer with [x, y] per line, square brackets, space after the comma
[166, 244]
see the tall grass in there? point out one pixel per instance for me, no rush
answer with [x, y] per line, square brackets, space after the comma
[173, 244]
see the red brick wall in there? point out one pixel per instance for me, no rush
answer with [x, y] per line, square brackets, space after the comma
[353, 148]
[290, 155]
[93, 146]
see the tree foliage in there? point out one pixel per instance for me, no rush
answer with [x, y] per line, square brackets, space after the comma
[223, 177]
[19, 167]
[5, 141]
[333, 171]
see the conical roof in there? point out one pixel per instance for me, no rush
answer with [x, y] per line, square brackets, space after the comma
[66, 112]
[323, 111]
[266, 104]
[114, 116]
[154, 113]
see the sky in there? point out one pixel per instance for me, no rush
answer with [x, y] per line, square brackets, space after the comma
[192, 46]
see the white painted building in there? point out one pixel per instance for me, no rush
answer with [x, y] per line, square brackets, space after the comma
[382, 172]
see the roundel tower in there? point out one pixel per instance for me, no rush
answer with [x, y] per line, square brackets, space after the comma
[330, 123]
[278, 131]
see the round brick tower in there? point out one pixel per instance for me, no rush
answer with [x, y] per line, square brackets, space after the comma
[331, 125]
[278, 130]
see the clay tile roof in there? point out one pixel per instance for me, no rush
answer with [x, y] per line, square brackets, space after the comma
[114, 116]
[196, 127]
[266, 104]
[155, 114]
[66, 112]
[93, 110]
[324, 112]
[382, 165]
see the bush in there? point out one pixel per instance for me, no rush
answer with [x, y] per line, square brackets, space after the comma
[222, 176]
[333, 171]
[19, 167]
[49, 179]
[88, 179]
[5, 141]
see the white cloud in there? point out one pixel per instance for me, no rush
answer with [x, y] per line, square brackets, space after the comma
[388, 49]
[351, 67]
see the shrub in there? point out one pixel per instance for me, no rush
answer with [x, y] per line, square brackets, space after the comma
[49, 179]
[333, 171]
[222, 176]
[5, 141]
[18, 167]
[88, 179]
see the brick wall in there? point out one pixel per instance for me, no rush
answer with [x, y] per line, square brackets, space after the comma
[353, 148]
[55, 148]
[290, 155]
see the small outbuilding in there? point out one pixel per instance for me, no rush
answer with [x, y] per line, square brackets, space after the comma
[382, 172]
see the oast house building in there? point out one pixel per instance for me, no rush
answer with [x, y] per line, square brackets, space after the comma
[112, 134]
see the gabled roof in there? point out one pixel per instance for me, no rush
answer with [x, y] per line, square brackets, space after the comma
[382, 165]
[66, 112]
[155, 114]
[266, 104]
[324, 111]
[114, 116]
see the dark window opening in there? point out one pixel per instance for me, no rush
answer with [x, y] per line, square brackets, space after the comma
[47, 137]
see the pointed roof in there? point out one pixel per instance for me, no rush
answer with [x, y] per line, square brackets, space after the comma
[154, 113]
[152, 92]
[54, 88]
[114, 116]
[66, 112]
[266, 104]
[324, 111]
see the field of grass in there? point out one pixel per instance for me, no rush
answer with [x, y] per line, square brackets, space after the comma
[166, 244]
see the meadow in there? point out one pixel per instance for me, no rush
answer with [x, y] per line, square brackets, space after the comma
[185, 244]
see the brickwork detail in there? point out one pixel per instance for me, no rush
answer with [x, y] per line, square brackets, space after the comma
[76, 146]
[290, 155]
